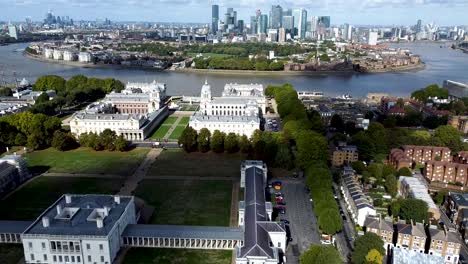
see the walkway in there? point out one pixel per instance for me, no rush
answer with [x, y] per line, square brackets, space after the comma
[132, 182]
[173, 126]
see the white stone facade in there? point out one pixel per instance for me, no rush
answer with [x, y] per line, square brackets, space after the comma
[69, 55]
[94, 237]
[231, 113]
[85, 57]
[58, 54]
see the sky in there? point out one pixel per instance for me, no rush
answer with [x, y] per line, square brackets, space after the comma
[356, 12]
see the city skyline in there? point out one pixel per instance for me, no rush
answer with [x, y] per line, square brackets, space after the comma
[371, 12]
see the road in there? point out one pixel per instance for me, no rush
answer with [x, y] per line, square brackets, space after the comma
[303, 222]
[345, 238]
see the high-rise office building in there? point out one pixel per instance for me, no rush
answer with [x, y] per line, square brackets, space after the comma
[287, 12]
[372, 39]
[253, 25]
[276, 16]
[288, 24]
[281, 35]
[230, 20]
[300, 22]
[325, 21]
[214, 18]
[13, 31]
[240, 26]
[418, 27]
[347, 32]
[262, 24]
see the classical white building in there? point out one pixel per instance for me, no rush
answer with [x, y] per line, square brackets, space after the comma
[138, 98]
[85, 57]
[69, 55]
[231, 113]
[58, 54]
[49, 53]
[247, 91]
[79, 229]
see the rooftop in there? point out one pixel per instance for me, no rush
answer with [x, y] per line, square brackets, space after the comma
[79, 215]
[404, 256]
[176, 231]
[199, 117]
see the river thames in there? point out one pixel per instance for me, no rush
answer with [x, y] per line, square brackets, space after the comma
[441, 64]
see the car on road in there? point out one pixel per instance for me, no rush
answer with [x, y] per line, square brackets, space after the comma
[344, 217]
[282, 211]
[281, 203]
[286, 222]
[278, 194]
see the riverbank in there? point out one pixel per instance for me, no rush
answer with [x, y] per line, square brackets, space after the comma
[409, 68]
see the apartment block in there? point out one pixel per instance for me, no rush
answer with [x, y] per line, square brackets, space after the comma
[446, 172]
[410, 236]
[382, 228]
[344, 155]
[444, 243]
[460, 123]
[409, 154]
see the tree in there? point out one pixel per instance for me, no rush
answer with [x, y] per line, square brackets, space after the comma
[49, 82]
[366, 147]
[374, 257]
[364, 244]
[121, 144]
[217, 141]
[440, 196]
[391, 185]
[203, 140]
[330, 221]
[283, 158]
[410, 209]
[107, 138]
[358, 166]
[188, 139]
[244, 144]
[43, 98]
[317, 254]
[35, 140]
[404, 172]
[5, 91]
[94, 142]
[63, 141]
[231, 143]
[450, 137]
[311, 147]
[77, 82]
[337, 122]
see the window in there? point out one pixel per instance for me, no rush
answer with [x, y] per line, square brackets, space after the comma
[101, 247]
[78, 259]
[43, 245]
[102, 258]
[55, 258]
[60, 259]
[67, 259]
[72, 258]
[30, 245]
[89, 258]
[88, 246]
[32, 257]
[279, 244]
[45, 257]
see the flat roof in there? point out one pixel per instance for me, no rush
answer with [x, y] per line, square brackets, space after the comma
[179, 231]
[404, 256]
[81, 221]
[14, 227]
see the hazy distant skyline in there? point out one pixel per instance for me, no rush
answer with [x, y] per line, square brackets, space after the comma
[357, 12]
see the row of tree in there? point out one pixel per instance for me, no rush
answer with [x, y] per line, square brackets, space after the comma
[430, 91]
[107, 140]
[233, 63]
[250, 48]
[70, 93]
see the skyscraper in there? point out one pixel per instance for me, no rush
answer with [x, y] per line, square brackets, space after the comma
[418, 27]
[276, 16]
[262, 24]
[13, 31]
[230, 20]
[240, 26]
[300, 22]
[347, 32]
[214, 18]
[253, 25]
[288, 24]
[325, 20]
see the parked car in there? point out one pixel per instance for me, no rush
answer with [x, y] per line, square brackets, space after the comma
[276, 183]
[286, 222]
[281, 203]
[278, 194]
[282, 211]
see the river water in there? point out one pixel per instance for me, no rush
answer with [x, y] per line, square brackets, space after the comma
[441, 64]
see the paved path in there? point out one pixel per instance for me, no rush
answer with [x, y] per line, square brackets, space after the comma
[132, 182]
[234, 204]
[174, 125]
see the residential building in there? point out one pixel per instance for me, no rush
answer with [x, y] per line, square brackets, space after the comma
[444, 243]
[79, 229]
[454, 204]
[462, 223]
[418, 154]
[398, 159]
[84, 57]
[381, 227]
[264, 240]
[412, 187]
[460, 123]
[358, 204]
[234, 112]
[446, 172]
[403, 256]
[372, 39]
[344, 155]
[411, 236]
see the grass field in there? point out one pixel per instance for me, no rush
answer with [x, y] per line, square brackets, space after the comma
[187, 202]
[180, 163]
[161, 131]
[184, 121]
[177, 132]
[28, 202]
[188, 107]
[84, 160]
[177, 256]
[10, 254]
[170, 120]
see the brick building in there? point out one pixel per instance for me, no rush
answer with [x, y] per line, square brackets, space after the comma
[345, 155]
[460, 123]
[446, 172]
[409, 154]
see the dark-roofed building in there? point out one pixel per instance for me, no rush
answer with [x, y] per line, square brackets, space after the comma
[455, 203]
[381, 227]
[444, 243]
[263, 239]
[411, 236]
[79, 229]
[13, 171]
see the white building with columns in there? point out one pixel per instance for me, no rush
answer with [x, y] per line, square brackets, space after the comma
[235, 112]
[79, 229]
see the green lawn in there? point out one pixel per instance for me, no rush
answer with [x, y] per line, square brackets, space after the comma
[177, 132]
[187, 202]
[186, 107]
[28, 202]
[170, 120]
[180, 163]
[85, 160]
[161, 131]
[177, 256]
[10, 254]
[184, 121]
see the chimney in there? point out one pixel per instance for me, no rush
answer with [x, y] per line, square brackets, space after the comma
[59, 209]
[99, 222]
[106, 210]
[117, 199]
[45, 221]
[68, 198]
